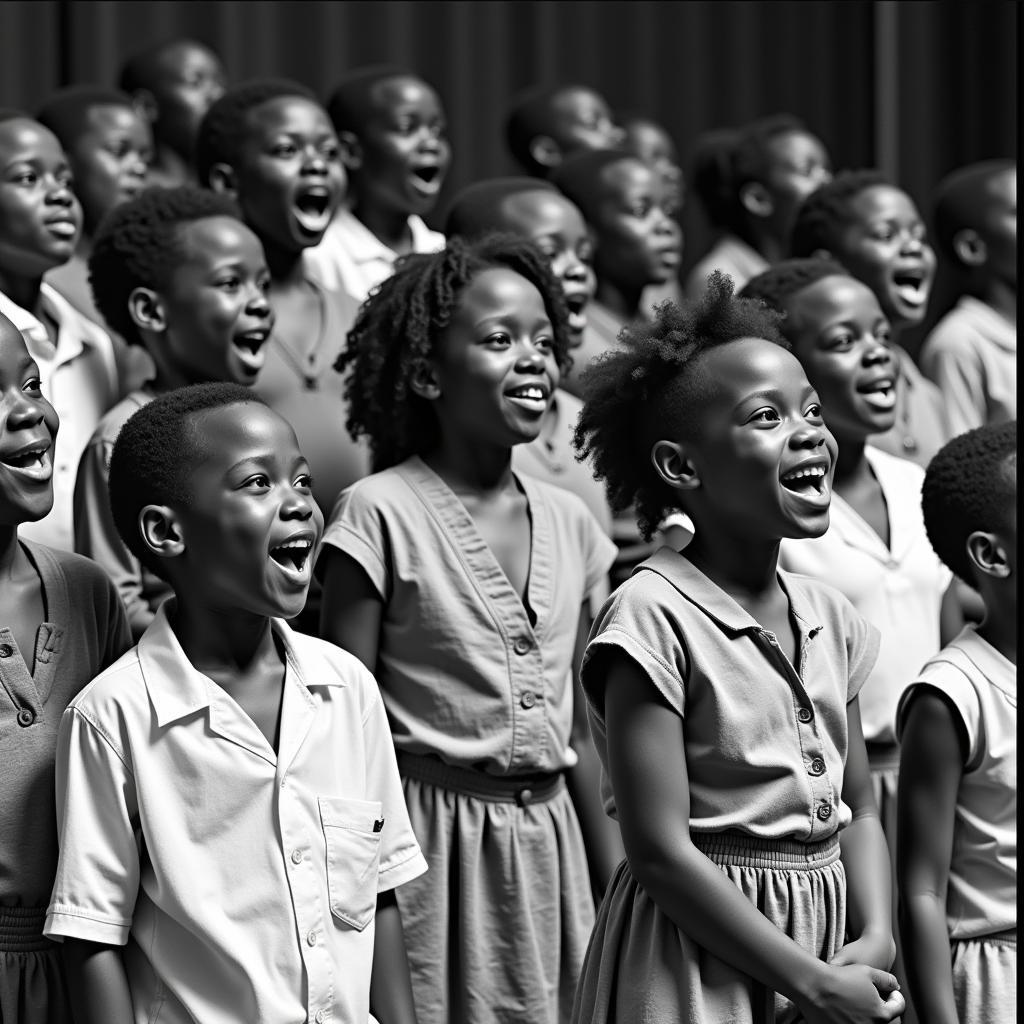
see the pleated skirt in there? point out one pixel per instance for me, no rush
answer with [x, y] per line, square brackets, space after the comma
[641, 969]
[985, 979]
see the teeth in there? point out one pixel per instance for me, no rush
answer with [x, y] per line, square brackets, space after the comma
[25, 459]
[536, 394]
[813, 472]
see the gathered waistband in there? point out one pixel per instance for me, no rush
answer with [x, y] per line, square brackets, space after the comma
[509, 789]
[1003, 938]
[21, 930]
[741, 850]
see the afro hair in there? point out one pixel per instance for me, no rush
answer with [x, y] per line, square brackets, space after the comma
[138, 245]
[970, 484]
[65, 111]
[784, 279]
[226, 125]
[960, 201]
[154, 453]
[826, 211]
[397, 328]
[643, 391]
[476, 209]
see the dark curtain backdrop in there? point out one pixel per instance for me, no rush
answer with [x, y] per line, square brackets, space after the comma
[915, 88]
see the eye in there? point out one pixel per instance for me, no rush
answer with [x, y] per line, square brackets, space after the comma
[917, 231]
[585, 252]
[24, 177]
[499, 339]
[766, 415]
[641, 208]
[813, 411]
[304, 481]
[258, 482]
[33, 384]
[283, 149]
[230, 283]
[883, 232]
[330, 150]
[438, 126]
[883, 334]
[263, 282]
[545, 342]
[840, 342]
[547, 248]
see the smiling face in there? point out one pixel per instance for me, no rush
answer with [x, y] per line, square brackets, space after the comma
[494, 364]
[252, 524]
[580, 119]
[402, 149]
[39, 215]
[556, 226]
[762, 454]
[885, 246]
[638, 243]
[187, 80]
[218, 318]
[289, 177]
[110, 160]
[841, 337]
[28, 428]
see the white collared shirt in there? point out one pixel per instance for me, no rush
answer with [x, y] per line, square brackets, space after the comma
[80, 380]
[350, 257]
[242, 882]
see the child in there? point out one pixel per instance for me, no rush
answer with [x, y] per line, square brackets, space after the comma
[109, 147]
[40, 220]
[394, 145]
[60, 624]
[637, 243]
[972, 352]
[270, 146]
[759, 177]
[875, 231]
[722, 695]
[958, 770]
[546, 125]
[463, 586]
[176, 273]
[173, 84]
[229, 809]
[534, 209]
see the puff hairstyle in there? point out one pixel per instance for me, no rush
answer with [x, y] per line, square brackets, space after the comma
[826, 211]
[139, 245]
[968, 486]
[643, 391]
[397, 329]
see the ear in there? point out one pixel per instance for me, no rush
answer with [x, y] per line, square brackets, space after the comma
[674, 466]
[988, 555]
[144, 103]
[224, 180]
[969, 247]
[756, 199]
[821, 254]
[146, 309]
[161, 531]
[545, 151]
[351, 150]
[425, 384]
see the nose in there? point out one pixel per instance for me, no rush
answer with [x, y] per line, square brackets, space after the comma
[616, 135]
[314, 161]
[297, 505]
[59, 192]
[808, 435]
[258, 304]
[877, 352]
[26, 411]
[569, 266]
[531, 358]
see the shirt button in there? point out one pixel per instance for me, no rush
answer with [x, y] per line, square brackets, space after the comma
[320, 1017]
[296, 856]
[528, 699]
[26, 716]
[311, 937]
[521, 646]
[817, 766]
[6, 650]
[805, 715]
[824, 812]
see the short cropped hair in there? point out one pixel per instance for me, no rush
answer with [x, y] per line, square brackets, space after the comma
[476, 209]
[528, 117]
[783, 280]
[959, 200]
[967, 487]
[398, 326]
[349, 104]
[711, 175]
[138, 245]
[64, 112]
[154, 454]
[578, 176]
[751, 156]
[225, 126]
[140, 70]
[826, 211]
[642, 392]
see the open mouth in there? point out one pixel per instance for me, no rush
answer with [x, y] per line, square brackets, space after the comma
[249, 348]
[577, 305]
[427, 179]
[911, 286]
[880, 394]
[532, 397]
[313, 211]
[62, 228]
[808, 480]
[293, 556]
[33, 462]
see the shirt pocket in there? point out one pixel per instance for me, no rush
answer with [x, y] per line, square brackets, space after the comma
[352, 830]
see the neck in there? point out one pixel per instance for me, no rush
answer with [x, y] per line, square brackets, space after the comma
[851, 463]
[622, 300]
[1002, 297]
[10, 552]
[999, 626]
[769, 245]
[744, 568]
[390, 226]
[216, 640]
[471, 467]
[285, 265]
[22, 290]
[170, 164]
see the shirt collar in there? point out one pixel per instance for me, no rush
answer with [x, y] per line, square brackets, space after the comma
[178, 689]
[74, 332]
[365, 247]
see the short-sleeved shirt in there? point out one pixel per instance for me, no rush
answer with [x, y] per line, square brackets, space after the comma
[731, 255]
[352, 258]
[467, 673]
[84, 632]
[766, 741]
[243, 882]
[981, 897]
[971, 355]
[80, 380]
[97, 537]
[898, 589]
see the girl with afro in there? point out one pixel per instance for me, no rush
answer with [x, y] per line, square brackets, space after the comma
[463, 586]
[722, 695]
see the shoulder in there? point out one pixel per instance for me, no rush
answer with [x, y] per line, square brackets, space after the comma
[86, 581]
[381, 493]
[893, 473]
[70, 318]
[117, 695]
[117, 416]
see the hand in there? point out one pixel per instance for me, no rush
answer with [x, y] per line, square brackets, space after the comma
[854, 994]
[874, 950]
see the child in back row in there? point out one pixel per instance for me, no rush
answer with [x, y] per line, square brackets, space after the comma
[176, 273]
[60, 624]
[958, 771]
[463, 586]
[723, 697]
[230, 815]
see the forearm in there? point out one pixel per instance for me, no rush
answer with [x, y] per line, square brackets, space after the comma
[928, 957]
[97, 978]
[868, 885]
[601, 836]
[390, 987]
